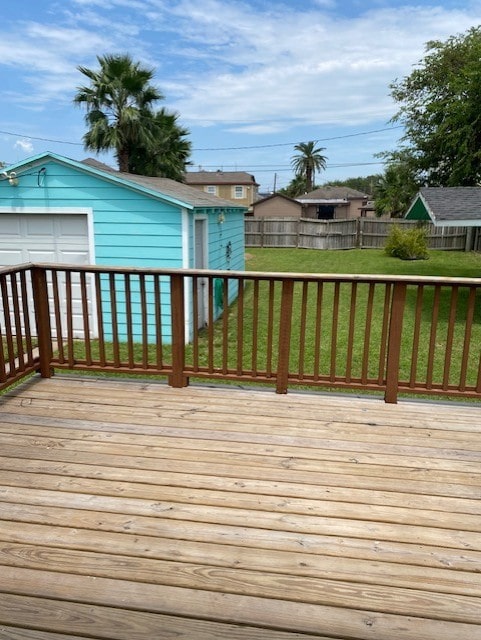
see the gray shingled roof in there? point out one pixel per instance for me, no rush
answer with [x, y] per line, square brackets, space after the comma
[96, 164]
[219, 177]
[177, 190]
[180, 191]
[332, 193]
[446, 204]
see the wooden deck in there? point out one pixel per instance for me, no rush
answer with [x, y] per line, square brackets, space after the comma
[132, 510]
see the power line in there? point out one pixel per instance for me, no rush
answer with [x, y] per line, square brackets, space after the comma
[21, 135]
[261, 168]
[290, 144]
[259, 146]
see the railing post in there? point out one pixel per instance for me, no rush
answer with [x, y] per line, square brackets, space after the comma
[177, 313]
[394, 342]
[42, 320]
[285, 323]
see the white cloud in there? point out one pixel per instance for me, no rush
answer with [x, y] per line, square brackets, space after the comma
[24, 145]
[256, 70]
[307, 65]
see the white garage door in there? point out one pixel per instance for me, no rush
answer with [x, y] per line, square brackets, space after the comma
[43, 238]
[28, 237]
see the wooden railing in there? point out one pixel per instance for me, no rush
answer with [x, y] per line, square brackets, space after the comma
[380, 333]
[19, 354]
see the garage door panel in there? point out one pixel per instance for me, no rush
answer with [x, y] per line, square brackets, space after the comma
[9, 257]
[36, 255]
[71, 226]
[74, 257]
[10, 226]
[41, 226]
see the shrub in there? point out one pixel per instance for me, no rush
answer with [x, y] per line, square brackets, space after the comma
[407, 244]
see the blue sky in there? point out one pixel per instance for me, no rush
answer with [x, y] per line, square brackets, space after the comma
[248, 79]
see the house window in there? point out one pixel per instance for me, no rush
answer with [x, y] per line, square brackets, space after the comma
[212, 189]
[238, 191]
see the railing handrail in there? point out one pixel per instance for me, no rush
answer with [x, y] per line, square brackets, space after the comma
[260, 275]
[285, 328]
[17, 268]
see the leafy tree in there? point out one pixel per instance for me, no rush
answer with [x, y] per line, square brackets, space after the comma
[169, 154]
[439, 108]
[365, 184]
[296, 187]
[119, 103]
[307, 162]
[396, 188]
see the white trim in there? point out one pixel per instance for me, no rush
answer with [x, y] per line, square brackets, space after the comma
[455, 223]
[185, 265]
[205, 219]
[203, 216]
[66, 210]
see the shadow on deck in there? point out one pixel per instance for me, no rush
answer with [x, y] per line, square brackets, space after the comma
[131, 510]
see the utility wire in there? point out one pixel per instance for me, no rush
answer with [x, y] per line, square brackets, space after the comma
[258, 146]
[290, 144]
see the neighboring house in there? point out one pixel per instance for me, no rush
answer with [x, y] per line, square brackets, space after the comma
[277, 205]
[328, 203]
[447, 206]
[238, 186]
[53, 209]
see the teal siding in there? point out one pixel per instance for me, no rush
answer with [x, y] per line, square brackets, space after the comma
[131, 228]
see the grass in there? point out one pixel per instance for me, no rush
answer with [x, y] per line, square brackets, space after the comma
[452, 264]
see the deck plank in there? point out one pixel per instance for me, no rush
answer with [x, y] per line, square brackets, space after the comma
[211, 512]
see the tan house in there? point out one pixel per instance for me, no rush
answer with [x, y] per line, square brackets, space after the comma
[238, 186]
[277, 205]
[328, 203]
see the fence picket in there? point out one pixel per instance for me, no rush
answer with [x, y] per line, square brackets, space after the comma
[362, 233]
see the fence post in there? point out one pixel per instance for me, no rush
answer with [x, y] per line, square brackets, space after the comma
[177, 314]
[285, 322]
[394, 342]
[42, 321]
[468, 245]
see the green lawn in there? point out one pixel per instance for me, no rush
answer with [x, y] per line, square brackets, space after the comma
[441, 263]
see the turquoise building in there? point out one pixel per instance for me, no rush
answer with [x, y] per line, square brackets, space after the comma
[54, 209]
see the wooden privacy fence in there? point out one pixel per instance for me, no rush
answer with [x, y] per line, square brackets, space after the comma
[384, 333]
[362, 233]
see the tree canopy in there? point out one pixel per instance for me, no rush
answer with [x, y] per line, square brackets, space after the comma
[307, 162]
[396, 188]
[366, 184]
[169, 153]
[296, 187]
[440, 110]
[120, 102]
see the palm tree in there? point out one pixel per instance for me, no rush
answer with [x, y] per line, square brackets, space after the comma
[308, 161]
[295, 188]
[119, 106]
[395, 190]
[170, 152]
